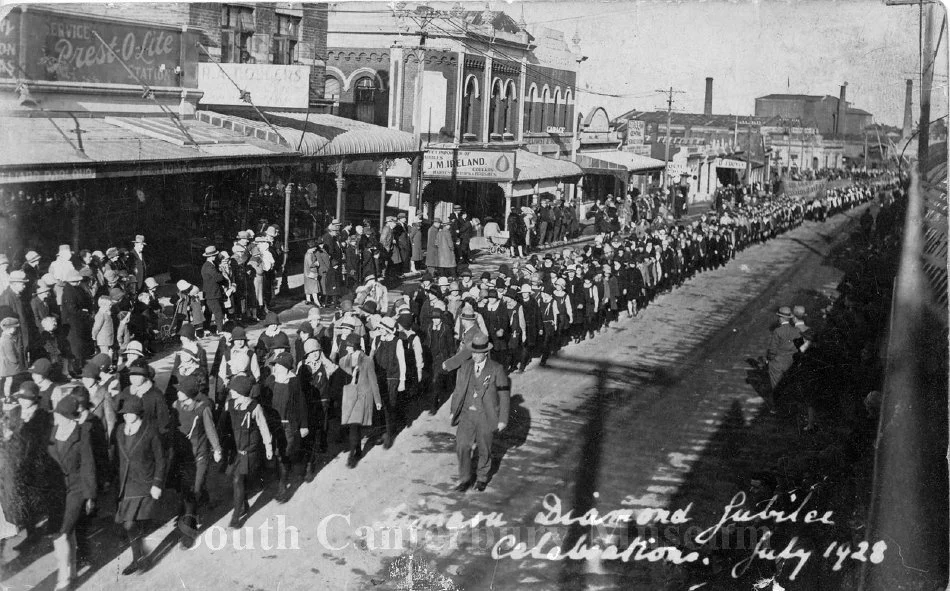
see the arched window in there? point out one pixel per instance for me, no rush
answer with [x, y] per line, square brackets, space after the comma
[511, 110]
[545, 110]
[331, 88]
[558, 108]
[568, 110]
[529, 109]
[365, 98]
[470, 105]
[496, 114]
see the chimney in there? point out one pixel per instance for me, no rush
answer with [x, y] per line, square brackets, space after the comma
[841, 128]
[908, 113]
[707, 109]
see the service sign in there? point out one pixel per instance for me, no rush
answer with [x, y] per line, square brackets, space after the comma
[469, 165]
[56, 47]
[270, 85]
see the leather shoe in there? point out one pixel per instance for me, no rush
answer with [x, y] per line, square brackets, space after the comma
[480, 486]
[462, 486]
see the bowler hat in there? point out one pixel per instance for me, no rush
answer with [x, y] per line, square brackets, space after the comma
[28, 391]
[481, 344]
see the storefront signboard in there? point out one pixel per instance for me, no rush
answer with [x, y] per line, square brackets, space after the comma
[728, 163]
[56, 47]
[636, 131]
[269, 85]
[469, 165]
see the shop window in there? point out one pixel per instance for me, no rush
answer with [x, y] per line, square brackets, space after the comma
[365, 98]
[237, 31]
[511, 117]
[566, 119]
[285, 41]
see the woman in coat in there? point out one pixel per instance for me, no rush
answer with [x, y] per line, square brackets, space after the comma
[311, 274]
[516, 233]
[415, 238]
[359, 395]
[25, 470]
[432, 246]
[71, 448]
[141, 476]
[446, 242]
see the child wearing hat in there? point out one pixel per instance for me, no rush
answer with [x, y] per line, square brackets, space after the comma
[389, 357]
[141, 481]
[440, 344]
[246, 428]
[287, 399]
[103, 331]
[314, 375]
[71, 448]
[11, 356]
[195, 442]
[359, 396]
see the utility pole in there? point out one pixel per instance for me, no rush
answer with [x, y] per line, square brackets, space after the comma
[669, 117]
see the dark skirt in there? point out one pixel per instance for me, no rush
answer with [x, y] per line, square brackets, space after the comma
[135, 509]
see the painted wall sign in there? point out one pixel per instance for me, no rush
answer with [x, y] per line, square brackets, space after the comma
[470, 165]
[270, 85]
[636, 130]
[64, 48]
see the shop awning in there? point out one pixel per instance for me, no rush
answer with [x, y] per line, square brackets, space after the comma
[39, 149]
[631, 162]
[531, 167]
[591, 164]
[398, 168]
[319, 134]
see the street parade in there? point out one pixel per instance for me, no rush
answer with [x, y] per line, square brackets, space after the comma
[463, 296]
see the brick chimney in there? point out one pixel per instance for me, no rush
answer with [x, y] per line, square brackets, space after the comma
[707, 109]
[841, 128]
[908, 109]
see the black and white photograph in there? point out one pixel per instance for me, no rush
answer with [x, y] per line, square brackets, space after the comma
[503, 295]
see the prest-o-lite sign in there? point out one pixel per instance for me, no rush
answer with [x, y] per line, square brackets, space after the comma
[42, 45]
[479, 165]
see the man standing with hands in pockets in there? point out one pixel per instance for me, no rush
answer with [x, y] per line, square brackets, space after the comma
[479, 409]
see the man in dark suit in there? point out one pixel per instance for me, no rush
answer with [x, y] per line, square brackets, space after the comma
[137, 262]
[212, 279]
[479, 408]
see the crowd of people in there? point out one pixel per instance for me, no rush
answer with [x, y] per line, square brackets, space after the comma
[83, 408]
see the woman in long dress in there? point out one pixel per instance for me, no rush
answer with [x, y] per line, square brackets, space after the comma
[311, 274]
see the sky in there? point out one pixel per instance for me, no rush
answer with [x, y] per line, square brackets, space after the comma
[750, 48]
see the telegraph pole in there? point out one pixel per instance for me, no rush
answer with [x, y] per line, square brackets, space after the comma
[669, 117]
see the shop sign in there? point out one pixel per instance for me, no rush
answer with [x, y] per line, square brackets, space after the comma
[675, 169]
[65, 48]
[556, 130]
[269, 85]
[727, 163]
[642, 149]
[43, 176]
[478, 165]
[636, 132]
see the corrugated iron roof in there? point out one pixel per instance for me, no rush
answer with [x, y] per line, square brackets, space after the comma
[53, 140]
[630, 161]
[319, 134]
[532, 167]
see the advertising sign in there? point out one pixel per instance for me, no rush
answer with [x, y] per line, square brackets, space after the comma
[727, 163]
[269, 85]
[636, 131]
[67, 48]
[479, 165]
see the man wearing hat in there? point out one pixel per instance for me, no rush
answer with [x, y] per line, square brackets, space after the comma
[31, 267]
[389, 357]
[781, 351]
[402, 243]
[212, 285]
[14, 303]
[137, 261]
[432, 246]
[479, 408]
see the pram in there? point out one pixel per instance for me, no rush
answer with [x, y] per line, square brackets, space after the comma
[497, 242]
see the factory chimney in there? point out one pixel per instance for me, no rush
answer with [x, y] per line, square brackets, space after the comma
[840, 127]
[707, 109]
